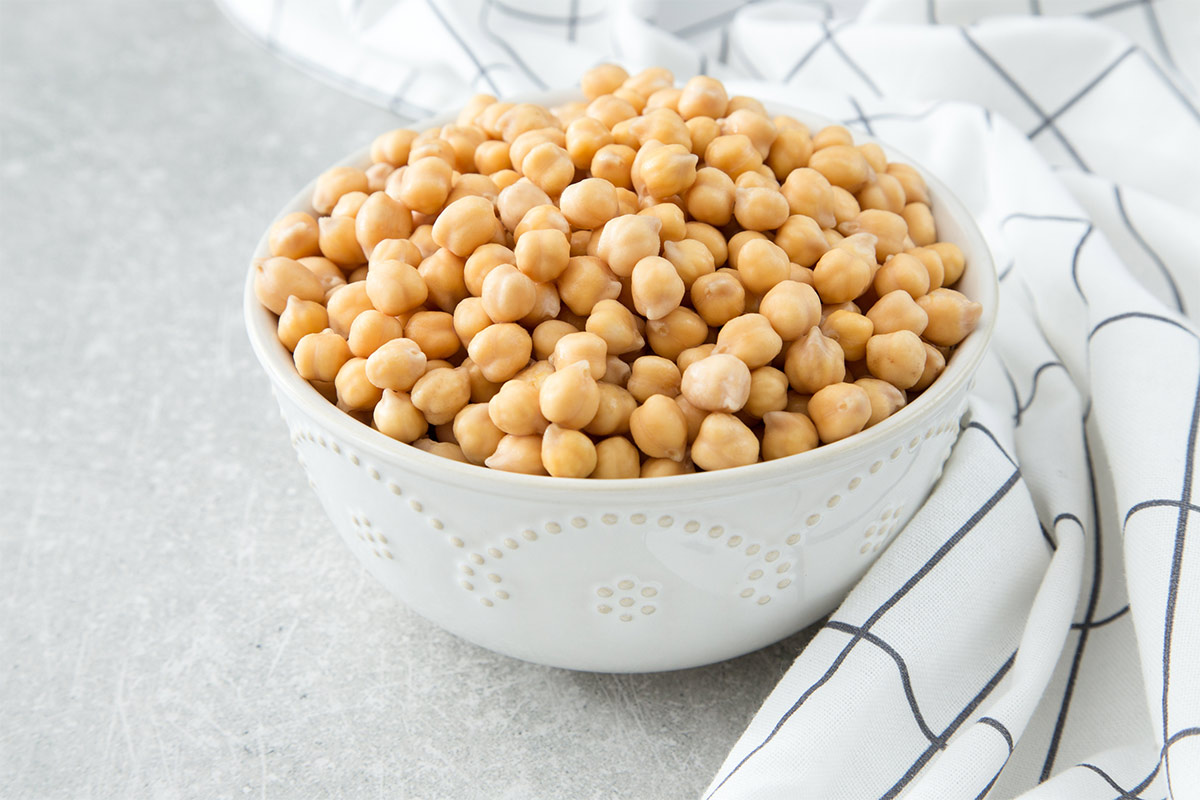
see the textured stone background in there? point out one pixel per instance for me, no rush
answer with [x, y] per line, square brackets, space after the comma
[177, 617]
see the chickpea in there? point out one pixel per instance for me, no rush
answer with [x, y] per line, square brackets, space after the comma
[320, 356]
[751, 338]
[379, 218]
[328, 273]
[441, 449]
[839, 410]
[581, 346]
[898, 358]
[523, 144]
[659, 428]
[520, 454]
[845, 206]
[396, 364]
[889, 229]
[657, 287]
[756, 127]
[546, 335]
[665, 467]
[797, 402]
[443, 276]
[515, 409]
[441, 393]
[694, 354]
[610, 109]
[501, 350]
[334, 183]
[840, 275]
[476, 434]
[761, 178]
[465, 224]
[935, 362]
[810, 193]
[616, 371]
[614, 163]
[515, 201]
[953, 261]
[661, 125]
[885, 399]
[792, 308]
[613, 411]
[664, 98]
[294, 236]
[432, 147]
[760, 209]
[711, 238]
[814, 361]
[831, 136]
[570, 397]
[842, 164]
[434, 332]
[392, 147]
[568, 453]
[483, 261]
[370, 330]
[787, 433]
[733, 154]
[338, 241]
[358, 274]
[851, 330]
[602, 79]
[951, 316]
[884, 192]
[768, 391]
[504, 179]
[396, 250]
[802, 240]
[875, 156]
[720, 382]
[470, 318]
[724, 441]
[521, 118]
[344, 304]
[549, 167]
[676, 332]
[507, 294]
[896, 311]
[703, 96]
[543, 254]
[712, 197]
[546, 305]
[702, 130]
[354, 391]
[674, 224]
[580, 241]
[626, 240]
[903, 272]
[761, 264]
[614, 323]
[377, 176]
[464, 140]
[915, 190]
[739, 240]
[663, 170]
[616, 457]
[278, 278]
[690, 258]
[589, 203]
[653, 375]
[396, 416]
[931, 261]
[426, 184]
[300, 318]
[395, 287]
[492, 156]
[791, 150]
[586, 281]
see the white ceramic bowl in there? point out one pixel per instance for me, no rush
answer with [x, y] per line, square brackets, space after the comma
[628, 575]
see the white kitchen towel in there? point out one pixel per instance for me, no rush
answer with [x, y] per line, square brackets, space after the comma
[1035, 630]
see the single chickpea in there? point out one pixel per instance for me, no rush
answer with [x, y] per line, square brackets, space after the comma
[516, 200]
[346, 303]
[319, 356]
[515, 409]
[650, 80]
[523, 144]
[395, 287]
[377, 176]
[674, 224]
[580, 241]
[801, 274]
[505, 178]
[897, 311]
[294, 236]
[786, 433]
[755, 126]
[718, 297]
[664, 98]
[586, 281]
[935, 362]
[810, 193]
[903, 272]
[300, 318]
[589, 203]
[839, 410]
[482, 390]
[483, 261]
[370, 330]
[832, 135]
[501, 350]
[814, 361]
[840, 275]
[379, 218]
[797, 402]
[339, 242]
[441, 394]
[581, 346]
[584, 138]
[278, 278]
[951, 316]
[626, 240]
[610, 109]
[694, 354]
[521, 118]
[335, 182]
[842, 164]
[898, 358]
[659, 428]
[760, 209]
[915, 190]
[396, 364]
[615, 407]
[507, 294]
[733, 154]
[354, 391]
[474, 107]
[616, 457]
[602, 79]
[567, 453]
[470, 318]
[475, 433]
[543, 254]
[358, 274]
[703, 96]
[616, 371]
[546, 336]
[889, 229]
[614, 163]
[953, 261]
[885, 399]
[397, 417]
[392, 147]
[549, 167]
[651, 375]
[492, 156]
[657, 287]
[396, 250]
[875, 156]
[520, 454]
[702, 130]
[768, 391]
[546, 305]
[570, 397]
[790, 151]
[676, 332]
[662, 125]
[464, 225]
[761, 178]
[441, 449]
[690, 258]
[845, 206]
[434, 332]
[724, 441]
[443, 276]
[739, 240]
[931, 261]
[720, 382]
[750, 338]
[884, 192]
[792, 308]
[433, 147]
[711, 238]
[761, 264]
[712, 197]
[851, 330]
[426, 184]
[328, 273]
[614, 323]
[464, 140]
[665, 468]
[663, 170]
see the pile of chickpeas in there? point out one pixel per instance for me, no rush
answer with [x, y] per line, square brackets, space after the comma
[651, 282]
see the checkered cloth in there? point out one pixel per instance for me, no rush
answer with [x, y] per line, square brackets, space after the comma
[1035, 630]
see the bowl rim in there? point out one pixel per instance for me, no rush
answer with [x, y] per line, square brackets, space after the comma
[277, 361]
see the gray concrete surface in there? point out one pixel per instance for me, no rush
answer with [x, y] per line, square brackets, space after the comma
[177, 618]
